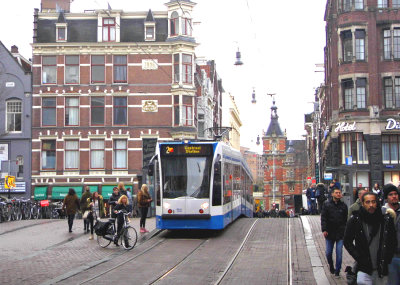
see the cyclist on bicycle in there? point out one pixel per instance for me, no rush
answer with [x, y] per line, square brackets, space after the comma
[121, 207]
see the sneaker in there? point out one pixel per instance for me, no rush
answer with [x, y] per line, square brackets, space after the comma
[91, 237]
[142, 230]
[145, 230]
[337, 275]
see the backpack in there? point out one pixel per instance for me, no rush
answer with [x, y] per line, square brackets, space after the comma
[100, 228]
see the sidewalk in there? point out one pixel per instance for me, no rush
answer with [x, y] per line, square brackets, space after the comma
[319, 241]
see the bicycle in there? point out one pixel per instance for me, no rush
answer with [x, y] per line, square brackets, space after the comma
[106, 233]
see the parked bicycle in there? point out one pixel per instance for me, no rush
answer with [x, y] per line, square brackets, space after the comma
[106, 232]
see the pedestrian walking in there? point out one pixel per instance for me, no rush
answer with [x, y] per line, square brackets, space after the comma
[377, 190]
[357, 204]
[391, 194]
[129, 194]
[121, 189]
[122, 204]
[320, 195]
[333, 223]
[96, 206]
[311, 199]
[144, 200]
[370, 238]
[84, 207]
[71, 205]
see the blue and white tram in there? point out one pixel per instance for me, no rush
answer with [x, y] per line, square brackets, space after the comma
[201, 185]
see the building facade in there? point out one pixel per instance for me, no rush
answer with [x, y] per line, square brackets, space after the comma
[231, 120]
[15, 121]
[107, 85]
[360, 101]
[285, 167]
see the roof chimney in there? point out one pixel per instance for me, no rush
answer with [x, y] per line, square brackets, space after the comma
[56, 6]
[14, 49]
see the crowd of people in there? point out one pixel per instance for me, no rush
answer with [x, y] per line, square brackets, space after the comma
[369, 230]
[92, 207]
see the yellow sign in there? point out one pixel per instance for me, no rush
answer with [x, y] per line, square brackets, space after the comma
[9, 182]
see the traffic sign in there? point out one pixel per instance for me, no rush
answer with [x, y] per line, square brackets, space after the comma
[349, 160]
[9, 182]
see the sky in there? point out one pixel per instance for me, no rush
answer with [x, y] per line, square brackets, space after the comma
[281, 42]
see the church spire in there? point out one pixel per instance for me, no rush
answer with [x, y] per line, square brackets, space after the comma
[274, 129]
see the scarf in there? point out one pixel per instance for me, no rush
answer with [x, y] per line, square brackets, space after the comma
[374, 220]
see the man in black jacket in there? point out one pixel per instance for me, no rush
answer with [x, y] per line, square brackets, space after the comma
[370, 238]
[333, 223]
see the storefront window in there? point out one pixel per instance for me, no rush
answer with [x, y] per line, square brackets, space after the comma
[354, 145]
[390, 149]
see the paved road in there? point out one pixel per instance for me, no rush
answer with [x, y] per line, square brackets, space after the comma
[43, 252]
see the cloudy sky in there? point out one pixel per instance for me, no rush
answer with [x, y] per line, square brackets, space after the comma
[280, 41]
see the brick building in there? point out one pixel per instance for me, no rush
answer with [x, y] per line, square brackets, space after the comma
[107, 85]
[360, 101]
[286, 167]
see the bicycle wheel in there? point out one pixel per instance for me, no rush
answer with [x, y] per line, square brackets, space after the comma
[129, 238]
[102, 241]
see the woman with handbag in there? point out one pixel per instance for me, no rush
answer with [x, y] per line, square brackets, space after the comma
[84, 209]
[144, 200]
[71, 204]
[96, 208]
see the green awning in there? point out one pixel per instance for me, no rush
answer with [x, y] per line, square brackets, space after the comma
[106, 191]
[59, 192]
[40, 193]
[93, 188]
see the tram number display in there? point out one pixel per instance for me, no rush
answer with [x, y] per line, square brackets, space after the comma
[195, 150]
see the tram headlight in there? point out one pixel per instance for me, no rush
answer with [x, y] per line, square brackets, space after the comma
[205, 205]
[167, 205]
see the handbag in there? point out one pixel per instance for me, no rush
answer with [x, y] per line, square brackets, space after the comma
[85, 214]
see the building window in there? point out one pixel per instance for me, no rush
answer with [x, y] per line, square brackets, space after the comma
[108, 30]
[392, 99]
[187, 68]
[348, 94]
[174, 24]
[97, 154]
[361, 85]
[72, 154]
[72, 111]
[382, 3]
[396, 43]
[20, 163]
[396, 3]
[390, 149]
[120, 154]
[97, 111]
[387, 44]
[49, 154]
[176, 68]
[347, 46]
[150, 32]
[61, 34]
[49, 69]
[120, 110]
[98, 69]
[71, 69]
[176, 110]
[354, 145]
[360, 44]
[13, 115]
[186, 26]
[120, 69]
[201, 125]
[346, 5]
[359, 4]
[187, 111]
[49, 111]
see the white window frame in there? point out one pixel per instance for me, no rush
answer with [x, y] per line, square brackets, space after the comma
[65, 70]
[103, 150]
[147, 26]
[120, 150]
[75, 151]
[62, 26]
[14, 113]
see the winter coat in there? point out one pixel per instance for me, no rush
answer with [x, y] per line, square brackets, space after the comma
[143, 200]
[320, 193]
[113, 201]
[333, 219]
[354, 207]
[83, 202]
[310, 193]
[356, 244]
[396, 225]
[71, 204]
[101, 205]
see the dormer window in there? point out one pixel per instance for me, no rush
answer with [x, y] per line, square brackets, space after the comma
[61, 32]
[150, 32]
[108, 29]
[186, 26]
[174, 24]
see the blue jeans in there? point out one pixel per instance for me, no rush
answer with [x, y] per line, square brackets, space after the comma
[394, 271]
[339, 252]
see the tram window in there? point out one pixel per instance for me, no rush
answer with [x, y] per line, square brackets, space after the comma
[228, 177]
[217, 195]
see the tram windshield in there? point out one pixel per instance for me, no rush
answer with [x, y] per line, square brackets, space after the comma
[186, 177]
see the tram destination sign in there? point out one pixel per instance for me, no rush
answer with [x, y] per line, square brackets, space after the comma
[187, 150]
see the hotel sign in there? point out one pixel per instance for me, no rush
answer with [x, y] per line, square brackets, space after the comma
[392, 124]
[345, 127]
